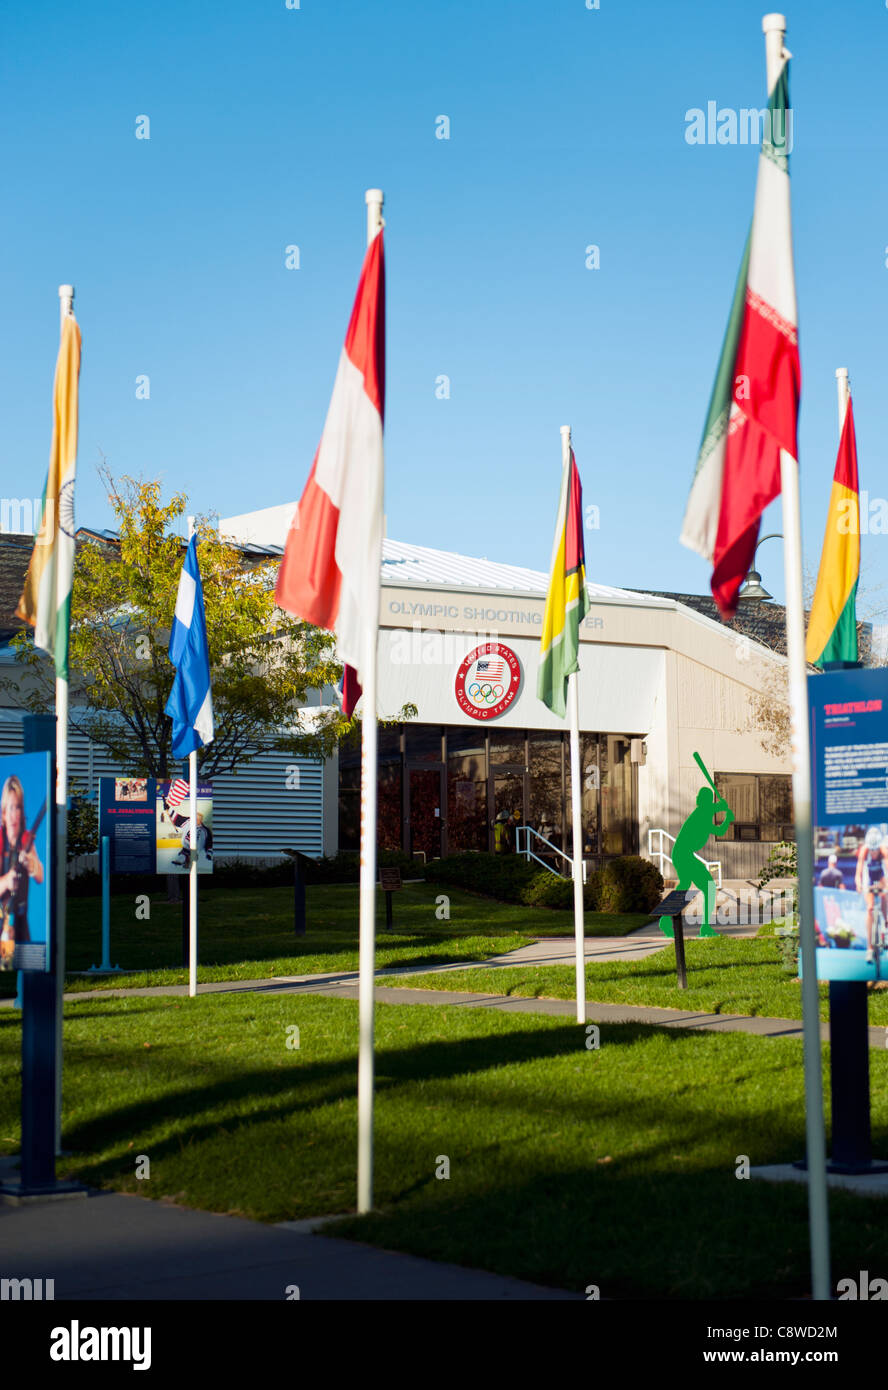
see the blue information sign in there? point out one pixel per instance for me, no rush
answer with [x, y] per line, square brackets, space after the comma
[26, 867]
[849, 751]
[127, 816]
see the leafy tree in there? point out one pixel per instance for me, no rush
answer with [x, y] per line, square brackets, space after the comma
[263, 662]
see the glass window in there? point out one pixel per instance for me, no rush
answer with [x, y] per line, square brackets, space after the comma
[507, 746]
[466, 802]
[775, 806]
[740, 791]
[349, 807]
[388, 742]
[423, 742]
[545, 813]
[389, 816]
[617, 821]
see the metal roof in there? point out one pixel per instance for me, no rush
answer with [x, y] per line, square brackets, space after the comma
[418, 564]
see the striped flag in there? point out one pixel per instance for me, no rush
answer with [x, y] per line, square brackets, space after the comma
[832, 626]
[177, 793]
[190, 705]
[567, 602]
[754, 406]
[329, 575]
[46, 599]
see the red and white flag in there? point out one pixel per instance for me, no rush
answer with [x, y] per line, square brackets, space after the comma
[329, 575]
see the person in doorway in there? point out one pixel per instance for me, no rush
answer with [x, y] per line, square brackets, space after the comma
[502, 835]
[515, 822]
[870, 879]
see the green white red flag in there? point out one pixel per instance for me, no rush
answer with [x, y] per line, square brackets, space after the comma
[753, 411]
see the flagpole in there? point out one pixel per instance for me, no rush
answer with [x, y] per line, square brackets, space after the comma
[573, 714]
[844, 390]
[774, 28]
[66, 307]
[366, 959]
[192, 857]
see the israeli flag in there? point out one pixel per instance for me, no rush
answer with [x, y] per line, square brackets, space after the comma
[190, 705]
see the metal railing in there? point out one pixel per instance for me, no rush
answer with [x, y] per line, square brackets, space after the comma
[662, 856]
[529, 853]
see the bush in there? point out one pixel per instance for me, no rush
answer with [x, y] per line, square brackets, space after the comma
[548, 890]
[345, 867]
[629, 884]
[503, 876]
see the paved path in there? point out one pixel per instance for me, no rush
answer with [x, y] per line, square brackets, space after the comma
[121, 1247]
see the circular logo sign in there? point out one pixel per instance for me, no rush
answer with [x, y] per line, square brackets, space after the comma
[488, 681]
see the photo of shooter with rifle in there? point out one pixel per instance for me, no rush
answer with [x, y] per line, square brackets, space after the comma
[19, 863]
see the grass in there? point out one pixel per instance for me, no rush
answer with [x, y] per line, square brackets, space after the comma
[725, 975]
[570, 1167]
[247, 933]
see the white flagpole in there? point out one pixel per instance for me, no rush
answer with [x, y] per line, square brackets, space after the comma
[774, 27]
[576, 809]
[192, 857]
[366, 959]
[66, 307]
[844, 389]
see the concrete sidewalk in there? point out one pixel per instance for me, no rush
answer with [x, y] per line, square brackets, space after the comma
[118, 1247]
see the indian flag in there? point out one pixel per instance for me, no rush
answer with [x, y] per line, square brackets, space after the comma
[754, 406]
[832, 626]
[567, 602]
[46, 599]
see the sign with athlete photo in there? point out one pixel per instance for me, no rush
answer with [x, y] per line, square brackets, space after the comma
[173, 827]
[127, 818]
[26, 861]
[849, 749]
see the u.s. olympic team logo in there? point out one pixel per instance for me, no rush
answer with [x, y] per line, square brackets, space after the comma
[488, 681]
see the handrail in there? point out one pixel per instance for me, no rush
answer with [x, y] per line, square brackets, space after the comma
[529, 854]
[662, 855]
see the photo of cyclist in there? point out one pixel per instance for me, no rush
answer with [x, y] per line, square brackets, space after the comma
[870, 879]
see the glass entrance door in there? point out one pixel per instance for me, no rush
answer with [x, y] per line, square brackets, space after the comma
[424, 811]
[509, 809]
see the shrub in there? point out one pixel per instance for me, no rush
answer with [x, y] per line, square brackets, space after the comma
[548, 890]
[345, 867]
[498, 876]
[629, 884]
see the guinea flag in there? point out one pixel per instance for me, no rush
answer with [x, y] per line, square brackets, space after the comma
[754, 406]
[567, 602]
[832, 626]
[330, 573]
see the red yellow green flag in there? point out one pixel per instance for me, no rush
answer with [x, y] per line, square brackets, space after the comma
[832, 626]
[567, 602]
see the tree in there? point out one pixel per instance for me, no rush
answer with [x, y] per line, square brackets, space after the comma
[263, 662]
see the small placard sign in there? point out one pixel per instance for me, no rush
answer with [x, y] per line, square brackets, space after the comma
[389, 879]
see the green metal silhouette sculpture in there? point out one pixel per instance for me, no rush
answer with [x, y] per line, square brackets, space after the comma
[689, 841]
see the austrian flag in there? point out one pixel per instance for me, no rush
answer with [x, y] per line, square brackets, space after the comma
[329, 575]
[754, 406]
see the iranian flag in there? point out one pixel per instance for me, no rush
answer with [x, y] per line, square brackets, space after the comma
[329, 575]
[754, 406]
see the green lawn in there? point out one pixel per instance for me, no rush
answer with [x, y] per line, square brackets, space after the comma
[571, 1167]
[725, 975]
[247, 933]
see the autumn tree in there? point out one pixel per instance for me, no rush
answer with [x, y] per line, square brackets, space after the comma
[264, 664]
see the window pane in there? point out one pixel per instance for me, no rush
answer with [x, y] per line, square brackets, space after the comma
[775, 806]
[617, 825]
[545, 814]
[740, 791]
[466, 803]
[507, 746]
[388, 816]
[423, 743]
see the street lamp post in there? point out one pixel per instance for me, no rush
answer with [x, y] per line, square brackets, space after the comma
[752, 584]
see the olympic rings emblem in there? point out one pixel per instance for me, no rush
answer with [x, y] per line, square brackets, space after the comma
[484, 694]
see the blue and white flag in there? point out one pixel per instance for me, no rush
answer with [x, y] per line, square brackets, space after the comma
[190, 705]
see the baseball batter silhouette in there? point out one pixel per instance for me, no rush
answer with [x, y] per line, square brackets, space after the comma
[700, 824]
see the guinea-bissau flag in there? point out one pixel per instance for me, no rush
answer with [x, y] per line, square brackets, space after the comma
[832, 626]
[567, 602]
[754, 406]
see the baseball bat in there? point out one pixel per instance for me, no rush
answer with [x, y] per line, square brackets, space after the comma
[702, 766]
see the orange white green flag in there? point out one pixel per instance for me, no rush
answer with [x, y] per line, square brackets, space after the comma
[567, 602]
[46, 599]
[832, 626]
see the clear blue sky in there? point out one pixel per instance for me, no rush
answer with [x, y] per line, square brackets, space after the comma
[567, 128]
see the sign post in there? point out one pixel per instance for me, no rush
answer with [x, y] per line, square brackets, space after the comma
[389, 882]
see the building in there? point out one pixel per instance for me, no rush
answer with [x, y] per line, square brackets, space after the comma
[659, 681]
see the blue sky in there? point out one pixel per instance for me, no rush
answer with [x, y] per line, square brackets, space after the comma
[567, 128]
